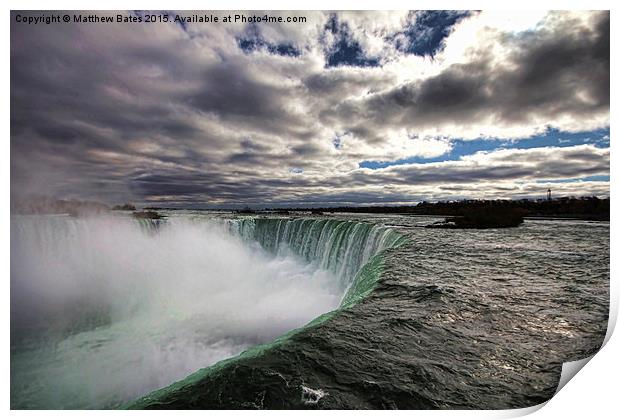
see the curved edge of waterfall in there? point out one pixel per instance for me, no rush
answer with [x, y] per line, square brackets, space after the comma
[191, 391]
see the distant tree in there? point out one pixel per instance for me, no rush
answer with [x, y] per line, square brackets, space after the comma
[127, 206]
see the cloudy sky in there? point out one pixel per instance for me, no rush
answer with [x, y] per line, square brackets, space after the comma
[348, 108]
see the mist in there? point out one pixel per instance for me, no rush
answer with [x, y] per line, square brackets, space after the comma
[124, 309]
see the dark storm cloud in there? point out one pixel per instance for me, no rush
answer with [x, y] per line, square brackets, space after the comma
[221, 114]
[79, 104]
[59, 84]
[540, 163]
[459, 179]
[307, 149]
[230, 90]
[339, 83]
[208, 187]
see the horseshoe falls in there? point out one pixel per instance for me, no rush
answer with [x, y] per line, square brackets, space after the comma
[214, 310]
[341, 247]
[104, 310]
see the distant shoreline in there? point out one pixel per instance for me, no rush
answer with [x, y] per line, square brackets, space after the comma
[569, 208]
[268, 212]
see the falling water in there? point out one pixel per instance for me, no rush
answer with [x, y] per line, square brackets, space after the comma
[106, 309]
[340, 246]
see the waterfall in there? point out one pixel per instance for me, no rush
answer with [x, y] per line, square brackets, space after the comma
[349, 249]
[343, 247]
[105, 309]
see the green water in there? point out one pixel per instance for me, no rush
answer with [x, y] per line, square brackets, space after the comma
[128, 311]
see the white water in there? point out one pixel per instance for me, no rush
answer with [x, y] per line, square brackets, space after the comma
[103, 310]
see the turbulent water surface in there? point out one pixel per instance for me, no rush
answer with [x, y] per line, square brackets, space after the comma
[106, 310]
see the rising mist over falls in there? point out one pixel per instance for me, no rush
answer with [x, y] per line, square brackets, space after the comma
[106, 309]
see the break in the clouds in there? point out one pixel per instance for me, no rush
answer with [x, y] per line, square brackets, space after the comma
[346, 108]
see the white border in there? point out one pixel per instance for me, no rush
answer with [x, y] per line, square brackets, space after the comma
[592, 394]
